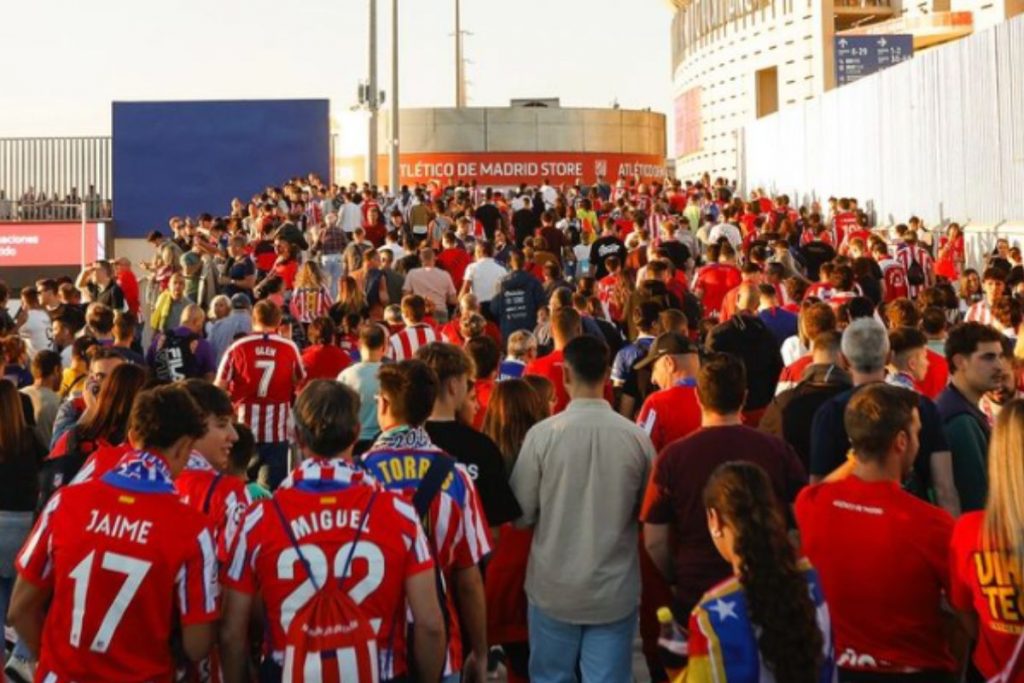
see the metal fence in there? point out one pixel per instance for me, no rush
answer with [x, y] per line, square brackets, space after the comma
[940, 136]
[37, 175]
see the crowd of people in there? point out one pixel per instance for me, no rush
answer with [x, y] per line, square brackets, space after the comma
[37, 205]
[344, 434]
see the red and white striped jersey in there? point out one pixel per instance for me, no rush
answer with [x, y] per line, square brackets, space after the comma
[323, 502]
[894, 275]
[260, 373]
[980, 312]
[906, 255]
[404, 343]
[308, 304]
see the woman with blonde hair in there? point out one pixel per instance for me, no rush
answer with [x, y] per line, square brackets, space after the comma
[514, 408]
[987, 552]
[351, 299]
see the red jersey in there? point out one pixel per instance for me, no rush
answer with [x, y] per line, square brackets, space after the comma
[286, 270]
[483, 388]
[550, 366]
[324, 362]
[843, 222]
[937, 376]
[323, 502]
[613, 293]
[102, 460]
[986, 580]
[882, 555]
[122, 556]
[714, 281]
[221, 499]
[670, 414]
[260, 373]
[454, 261]
[403, 344]
[916, 254]
[308, 304]
[792, 373]
[129, 285]
[894, 275]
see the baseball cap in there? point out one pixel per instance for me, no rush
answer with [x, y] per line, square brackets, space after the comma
[240, 301]
[668, 344]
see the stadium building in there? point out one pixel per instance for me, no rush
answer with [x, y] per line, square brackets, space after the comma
[735, 61]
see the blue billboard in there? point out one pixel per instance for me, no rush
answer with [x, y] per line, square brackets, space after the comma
[860, 56]
[186, 158]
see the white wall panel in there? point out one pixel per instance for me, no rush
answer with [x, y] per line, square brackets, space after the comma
[940, 136]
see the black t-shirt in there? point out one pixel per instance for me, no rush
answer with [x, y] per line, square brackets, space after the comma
[814, 254]
[678, 253]
[110, 296]
[830, 443]
[19, 475]
[602, 248]
[482, 458]
[490, 218]
[523, 224]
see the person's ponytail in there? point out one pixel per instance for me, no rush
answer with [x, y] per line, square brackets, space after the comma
[776, 591]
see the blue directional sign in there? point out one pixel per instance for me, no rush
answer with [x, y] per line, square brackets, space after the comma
[860, 56]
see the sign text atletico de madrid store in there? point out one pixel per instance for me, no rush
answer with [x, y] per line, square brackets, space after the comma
[507, 169]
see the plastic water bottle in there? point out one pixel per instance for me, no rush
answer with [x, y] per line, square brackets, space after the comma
[673, 648]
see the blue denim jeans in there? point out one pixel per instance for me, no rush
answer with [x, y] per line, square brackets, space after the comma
[604, 652]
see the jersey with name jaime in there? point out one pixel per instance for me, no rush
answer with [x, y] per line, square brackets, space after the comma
[122, 556]
[325, 512]
[261, 372]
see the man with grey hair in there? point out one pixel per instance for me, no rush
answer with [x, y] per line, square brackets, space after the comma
[865, 351]
[522, 348]
[238, 323]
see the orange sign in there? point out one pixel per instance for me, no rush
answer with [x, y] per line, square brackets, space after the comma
[506, 169]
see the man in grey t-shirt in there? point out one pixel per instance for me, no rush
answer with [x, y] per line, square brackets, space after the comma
[362, 377]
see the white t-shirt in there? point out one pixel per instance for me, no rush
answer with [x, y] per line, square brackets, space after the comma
[728, 231]
[484, 276]
[36, 331]
[351, 217]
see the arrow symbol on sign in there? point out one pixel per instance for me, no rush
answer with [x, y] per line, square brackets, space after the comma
[882, 42]
[842, 42]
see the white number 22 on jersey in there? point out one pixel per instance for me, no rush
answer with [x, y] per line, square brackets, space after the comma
[134, 570]
[288, 561]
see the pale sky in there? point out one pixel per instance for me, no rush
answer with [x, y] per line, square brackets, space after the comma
[66, 60]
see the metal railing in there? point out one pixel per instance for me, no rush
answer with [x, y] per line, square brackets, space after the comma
[36, 174]
[55, 209]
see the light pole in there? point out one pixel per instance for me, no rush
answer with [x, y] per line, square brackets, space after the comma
[372, 99]
[460, 90]
[393, 177]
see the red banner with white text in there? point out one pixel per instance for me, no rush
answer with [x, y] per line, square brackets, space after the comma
[507, 169]
[50, 244]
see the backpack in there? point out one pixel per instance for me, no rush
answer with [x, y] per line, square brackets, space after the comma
[54, 473]
[915, 273]
[175, 357]
[330, 633]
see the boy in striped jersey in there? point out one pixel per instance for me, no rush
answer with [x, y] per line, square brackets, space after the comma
[323, 501]
[260, 372]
